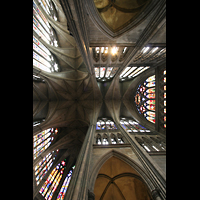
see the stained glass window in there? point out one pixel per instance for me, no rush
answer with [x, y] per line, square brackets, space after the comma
[42, 30]
[105, 123]
[108, 71]
[102, 71]
[52, 182]
[43, 166]
[96, 69]
[41, 141]
[114, 71]
[163, 102]
[132, 126]
[110, 125]
[105, 73]
[65, 185]
[145, 98]
[100, 125]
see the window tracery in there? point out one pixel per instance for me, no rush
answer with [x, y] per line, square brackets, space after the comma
[104, 70]
[149, 54]
[105, 139]
[107, 133]
[43, 166]
[120, 138]
[132, 126]
[42, 57]
[98, 139]
[152, 144]
[109, 138]
[105, 123]
[132, 71]
[42, 141]
[113, 139]
[65, 185]
[53, 180]
[145, 98]
[105, 73]
[163, 98]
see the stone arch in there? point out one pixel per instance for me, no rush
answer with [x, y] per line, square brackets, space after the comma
[98, 138]
[144, 176]
[127, 25]
[130, 95]
[113, 138]
[120, 136]
[105, 138]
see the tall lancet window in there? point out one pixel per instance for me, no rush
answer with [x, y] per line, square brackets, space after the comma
[105, 139]
[44, 35]
[104, 123]
[41, 141]
[145, 98]
[98, 139]
[43, 166]
[52, 182]
[163, 98]
[65, 185]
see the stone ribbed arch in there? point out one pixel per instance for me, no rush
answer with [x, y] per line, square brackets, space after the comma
[94, 172]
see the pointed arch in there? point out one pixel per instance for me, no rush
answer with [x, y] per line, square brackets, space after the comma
[115, 32]
[98, 139]
[105, 138]
[94, 172]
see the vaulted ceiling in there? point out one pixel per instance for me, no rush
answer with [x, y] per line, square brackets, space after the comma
[117, 180]
[73, 98]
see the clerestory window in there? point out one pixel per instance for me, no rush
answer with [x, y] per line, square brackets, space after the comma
[44, 35]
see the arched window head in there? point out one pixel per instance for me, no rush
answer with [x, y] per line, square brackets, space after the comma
[105, 123]
[98, 139]
[110, 125]
[49, 7]
[105, 139]
[43, 166]
[42, 141]
[145, 98]
[120, 139]
[49, 187]
[143, 144]
[113, 139]
[100, 125]
[65, 185]
[132, 126]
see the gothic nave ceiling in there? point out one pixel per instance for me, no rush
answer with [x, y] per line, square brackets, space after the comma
[68, 105]
[72, 98]
[67, 100]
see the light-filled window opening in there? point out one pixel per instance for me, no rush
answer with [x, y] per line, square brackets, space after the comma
[44, 34]
[132, 71]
